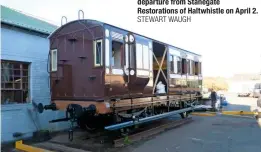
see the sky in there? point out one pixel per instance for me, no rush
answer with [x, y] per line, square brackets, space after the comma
[229, 44]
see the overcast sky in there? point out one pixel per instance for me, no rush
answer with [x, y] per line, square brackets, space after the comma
[229, 44]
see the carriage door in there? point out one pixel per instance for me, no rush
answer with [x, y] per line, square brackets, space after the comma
[130, 62]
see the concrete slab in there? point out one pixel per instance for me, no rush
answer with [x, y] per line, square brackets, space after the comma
[57, 147]
[206, 134]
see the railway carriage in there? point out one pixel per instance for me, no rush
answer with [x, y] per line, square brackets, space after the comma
[105, 76]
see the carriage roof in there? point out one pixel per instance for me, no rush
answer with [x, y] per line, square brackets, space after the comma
[103, 23]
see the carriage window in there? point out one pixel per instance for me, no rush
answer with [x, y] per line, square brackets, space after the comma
[132, 56]
[196, 66]
[126, 55]
[184, 66]
[117, 51]
[142, 52]
[188, 66]
[192, 67]
[171, 64]
[139, 56]
[199, 68]
[107, 50]
[145, 57]
[179, 67]
[98, 52]
[151, 59]
[54, 60]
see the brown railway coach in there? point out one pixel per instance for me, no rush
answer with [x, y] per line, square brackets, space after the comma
[102, 72]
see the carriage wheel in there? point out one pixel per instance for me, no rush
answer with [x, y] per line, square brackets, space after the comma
[87, 123]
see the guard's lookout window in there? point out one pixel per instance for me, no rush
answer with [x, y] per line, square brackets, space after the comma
[54, 60]
[117, 54]
[98, 52]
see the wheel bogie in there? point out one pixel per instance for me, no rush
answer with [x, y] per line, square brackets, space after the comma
[97, 122]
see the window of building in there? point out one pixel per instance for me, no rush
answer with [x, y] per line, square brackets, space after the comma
[98, 53]
[54, 60]
[14, 82]
[117, 54]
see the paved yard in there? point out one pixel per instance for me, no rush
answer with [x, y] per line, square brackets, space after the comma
[211, 134]
[208, 134]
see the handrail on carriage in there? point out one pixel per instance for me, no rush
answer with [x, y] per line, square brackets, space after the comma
[80, 11]
[63, 17]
